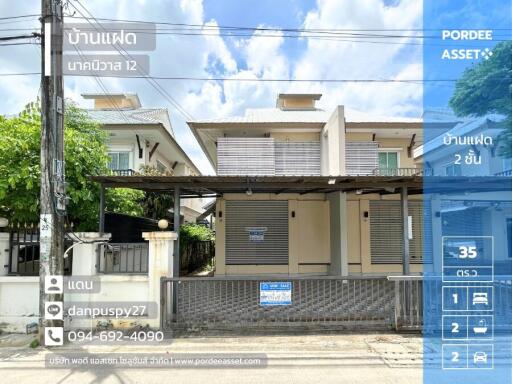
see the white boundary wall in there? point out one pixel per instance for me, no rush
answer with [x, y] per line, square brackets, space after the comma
[19, 295]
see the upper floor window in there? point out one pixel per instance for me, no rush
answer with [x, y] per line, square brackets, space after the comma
[388, 160]
[160, 167]
[119, 160]
[453, 170]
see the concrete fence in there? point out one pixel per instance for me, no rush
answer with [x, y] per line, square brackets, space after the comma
[19, 295]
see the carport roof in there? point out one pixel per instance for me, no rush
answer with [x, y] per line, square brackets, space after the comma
[218, 185]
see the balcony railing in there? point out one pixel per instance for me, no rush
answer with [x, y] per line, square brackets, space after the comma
[402, 172]
[122, 172]
[508, 172]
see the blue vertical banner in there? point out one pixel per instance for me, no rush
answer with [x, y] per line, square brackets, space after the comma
[467, 160]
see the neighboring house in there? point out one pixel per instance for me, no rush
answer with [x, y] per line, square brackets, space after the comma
[139, 137]
[453, 153]
[312, 232]
[440, 150]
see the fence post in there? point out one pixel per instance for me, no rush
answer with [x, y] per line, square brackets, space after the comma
[160, 264]
[4, 253]
[398, 308]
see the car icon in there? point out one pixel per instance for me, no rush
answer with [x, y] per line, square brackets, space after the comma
[480, 357]
[480, 298]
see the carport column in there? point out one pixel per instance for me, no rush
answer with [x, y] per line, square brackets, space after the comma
[338, 233]
[176, 258]
[159, 265]
[437, 233]
[177, 223]
[405, 233]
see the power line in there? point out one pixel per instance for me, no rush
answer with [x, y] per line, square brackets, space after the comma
[19, 37]
[19, 17]
[151, 81]
[279, 29]
[185, 78]
[11, 44]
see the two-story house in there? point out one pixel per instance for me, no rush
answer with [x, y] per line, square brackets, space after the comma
[319, 230]
[139, 137]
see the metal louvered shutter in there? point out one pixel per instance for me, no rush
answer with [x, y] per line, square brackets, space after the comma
[270, 218]
[361, 157]
[252, 156]
[386, 232]
[297, 158]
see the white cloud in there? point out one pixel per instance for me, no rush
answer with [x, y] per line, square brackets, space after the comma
[357, 60]
[265, 57]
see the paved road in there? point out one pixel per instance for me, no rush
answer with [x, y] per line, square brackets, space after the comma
[379, 358]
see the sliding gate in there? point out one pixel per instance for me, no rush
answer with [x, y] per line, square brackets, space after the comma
[237, 302]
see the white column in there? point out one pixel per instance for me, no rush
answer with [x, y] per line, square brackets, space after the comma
[4, 253]
[335, 130]
[85, 257]
[161, 247]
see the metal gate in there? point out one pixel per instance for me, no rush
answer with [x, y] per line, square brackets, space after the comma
[316, 302]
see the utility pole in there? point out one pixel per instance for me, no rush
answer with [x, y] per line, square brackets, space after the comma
[52, 198]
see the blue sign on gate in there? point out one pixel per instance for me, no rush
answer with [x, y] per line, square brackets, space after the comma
[276, 293]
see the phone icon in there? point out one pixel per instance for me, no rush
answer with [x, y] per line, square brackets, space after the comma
[53, 336]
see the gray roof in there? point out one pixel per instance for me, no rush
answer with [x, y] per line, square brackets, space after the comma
[276, 115]
[139, 116]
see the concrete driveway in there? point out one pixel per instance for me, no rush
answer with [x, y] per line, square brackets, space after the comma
[347, 358]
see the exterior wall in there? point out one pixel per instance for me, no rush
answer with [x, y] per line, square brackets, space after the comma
[298, 103]
[113, 103]
[339, 238]
[19, 302]
[19, 295]
[309, 236]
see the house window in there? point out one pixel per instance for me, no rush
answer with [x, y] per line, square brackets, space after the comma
[160, 167]
[119, 160]
[388, 160]
[453, 170]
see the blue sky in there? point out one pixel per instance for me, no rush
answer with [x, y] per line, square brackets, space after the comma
[250, 57]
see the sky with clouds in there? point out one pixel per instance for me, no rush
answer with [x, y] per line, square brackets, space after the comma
[256, 56]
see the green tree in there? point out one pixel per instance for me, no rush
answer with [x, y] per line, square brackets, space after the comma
[85, 155]
[487, 88]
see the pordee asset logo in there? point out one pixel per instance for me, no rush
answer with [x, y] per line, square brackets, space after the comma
[466, 35]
